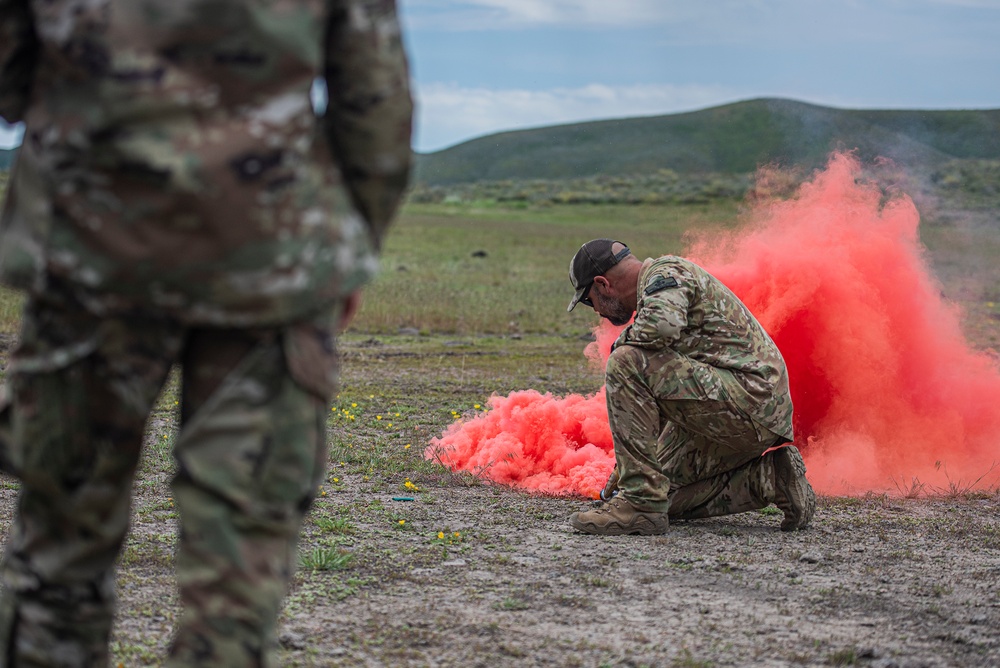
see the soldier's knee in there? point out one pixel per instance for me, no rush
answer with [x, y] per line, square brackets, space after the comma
[625, 362]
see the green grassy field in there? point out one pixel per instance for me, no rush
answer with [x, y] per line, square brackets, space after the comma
[434, 282]
[482, 268]
[488, 267]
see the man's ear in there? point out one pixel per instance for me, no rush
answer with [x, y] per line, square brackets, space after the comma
[606, 289]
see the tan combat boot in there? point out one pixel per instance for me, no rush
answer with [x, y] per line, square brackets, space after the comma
[793, 494]
[617, 517]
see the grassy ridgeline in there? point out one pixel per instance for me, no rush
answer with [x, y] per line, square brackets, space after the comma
[733, 139]
[432, 279]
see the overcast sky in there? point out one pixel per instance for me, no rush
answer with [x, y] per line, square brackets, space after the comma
[482, 66]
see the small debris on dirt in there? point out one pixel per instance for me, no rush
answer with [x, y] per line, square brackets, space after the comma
[293, 641]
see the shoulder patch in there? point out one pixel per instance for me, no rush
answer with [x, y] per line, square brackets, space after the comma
[660, 283]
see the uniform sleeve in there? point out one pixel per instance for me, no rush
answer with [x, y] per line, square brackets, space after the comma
[19, 49]
[369, 112]
[661, 317]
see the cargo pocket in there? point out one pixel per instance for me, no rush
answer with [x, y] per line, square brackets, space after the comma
[311, 355]
[48, 429]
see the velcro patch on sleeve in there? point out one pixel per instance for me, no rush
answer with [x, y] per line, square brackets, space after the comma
[660, 283]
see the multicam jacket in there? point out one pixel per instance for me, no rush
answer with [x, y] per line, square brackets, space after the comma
[172, 161]
[683, 307]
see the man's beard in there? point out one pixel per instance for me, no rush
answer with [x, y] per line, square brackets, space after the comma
[615, 312]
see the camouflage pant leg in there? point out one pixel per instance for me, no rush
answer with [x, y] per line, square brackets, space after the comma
[713, 479]
[251, 454]
[634, 416]
[670, 433]
[80, 390]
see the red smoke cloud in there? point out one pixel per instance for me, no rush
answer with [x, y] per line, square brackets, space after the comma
[886, 390]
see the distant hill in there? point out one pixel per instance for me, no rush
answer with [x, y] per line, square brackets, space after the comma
[734, 138]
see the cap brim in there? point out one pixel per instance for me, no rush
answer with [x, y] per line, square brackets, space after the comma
[576, 299]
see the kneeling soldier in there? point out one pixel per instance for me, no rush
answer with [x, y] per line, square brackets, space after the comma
[697, 394]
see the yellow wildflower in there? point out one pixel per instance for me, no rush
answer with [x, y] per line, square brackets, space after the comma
[440, 535]
[402, 522]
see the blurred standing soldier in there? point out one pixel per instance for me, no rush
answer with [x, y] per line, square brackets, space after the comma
[697, 392]
[177, 200]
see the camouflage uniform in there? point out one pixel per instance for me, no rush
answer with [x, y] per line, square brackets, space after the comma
[177, 200]
[697, 391]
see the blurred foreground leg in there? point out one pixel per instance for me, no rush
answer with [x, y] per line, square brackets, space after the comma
[251, 456]
[80, 390]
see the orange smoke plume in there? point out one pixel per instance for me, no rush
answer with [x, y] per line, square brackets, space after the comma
[887, 392]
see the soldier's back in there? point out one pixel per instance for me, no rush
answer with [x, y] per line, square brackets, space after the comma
[172, 163]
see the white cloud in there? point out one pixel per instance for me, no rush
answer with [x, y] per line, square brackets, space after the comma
[505, 14]
[975, 4]
[713, 22]
[599, 12]
[448, 114]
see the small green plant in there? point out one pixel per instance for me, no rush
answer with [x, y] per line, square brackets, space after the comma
[447, 537]
[513, 603]
[597, 581]
[338, 525]
[325, 559]
[687, 660]
[843, 657]
[939, 589]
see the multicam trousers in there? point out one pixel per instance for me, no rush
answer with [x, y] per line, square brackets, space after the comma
[678, 449]
[250, 455]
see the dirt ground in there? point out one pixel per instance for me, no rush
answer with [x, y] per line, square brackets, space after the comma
[470, 574]
[876, 582]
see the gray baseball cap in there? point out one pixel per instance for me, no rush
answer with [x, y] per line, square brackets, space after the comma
[593, 259]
